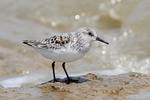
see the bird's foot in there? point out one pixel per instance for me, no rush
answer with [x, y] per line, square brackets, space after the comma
[68, 81]
[52, 81]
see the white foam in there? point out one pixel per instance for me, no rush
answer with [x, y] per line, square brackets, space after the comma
[39, 77]
[116, 71]
[34, 78]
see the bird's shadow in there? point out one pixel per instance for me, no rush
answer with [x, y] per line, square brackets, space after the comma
[65, 80]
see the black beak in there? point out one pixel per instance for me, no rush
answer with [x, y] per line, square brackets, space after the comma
[99, 39]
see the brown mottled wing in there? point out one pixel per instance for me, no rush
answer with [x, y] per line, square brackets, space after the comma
[53, 42]
[34, 43]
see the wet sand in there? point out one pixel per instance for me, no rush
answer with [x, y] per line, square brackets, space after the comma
[129, 86]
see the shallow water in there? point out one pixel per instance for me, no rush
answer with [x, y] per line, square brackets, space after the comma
[123, 23]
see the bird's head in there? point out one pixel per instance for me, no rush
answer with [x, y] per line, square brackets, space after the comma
[90, 34]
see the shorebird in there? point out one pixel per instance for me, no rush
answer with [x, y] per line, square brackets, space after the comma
[65, 47]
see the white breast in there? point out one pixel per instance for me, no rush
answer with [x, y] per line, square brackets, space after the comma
[62, 55]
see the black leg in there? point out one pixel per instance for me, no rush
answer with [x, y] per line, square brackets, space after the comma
[65, 80]
[53, 68]
[63, 65]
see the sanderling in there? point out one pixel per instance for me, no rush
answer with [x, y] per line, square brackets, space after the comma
[65, 47]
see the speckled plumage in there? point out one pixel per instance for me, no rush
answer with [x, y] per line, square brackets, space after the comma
[65, 47]
[52, 42]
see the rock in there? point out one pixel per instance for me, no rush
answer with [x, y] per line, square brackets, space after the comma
[129, 86]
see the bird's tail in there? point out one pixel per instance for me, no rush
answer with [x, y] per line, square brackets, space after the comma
[27, 42]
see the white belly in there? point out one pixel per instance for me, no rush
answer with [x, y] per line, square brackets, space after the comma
[61, 55]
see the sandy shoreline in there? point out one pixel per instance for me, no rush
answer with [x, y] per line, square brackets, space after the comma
[129, 86]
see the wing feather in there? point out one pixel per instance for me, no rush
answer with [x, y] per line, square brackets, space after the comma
[53, 42]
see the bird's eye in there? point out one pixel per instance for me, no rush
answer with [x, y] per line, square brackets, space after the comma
[90, 34]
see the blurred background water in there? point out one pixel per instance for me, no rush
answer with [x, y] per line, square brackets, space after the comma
[123, 23]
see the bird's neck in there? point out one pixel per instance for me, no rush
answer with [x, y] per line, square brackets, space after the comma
[82, 43]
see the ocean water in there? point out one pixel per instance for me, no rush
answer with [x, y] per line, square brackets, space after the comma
[123, 23]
